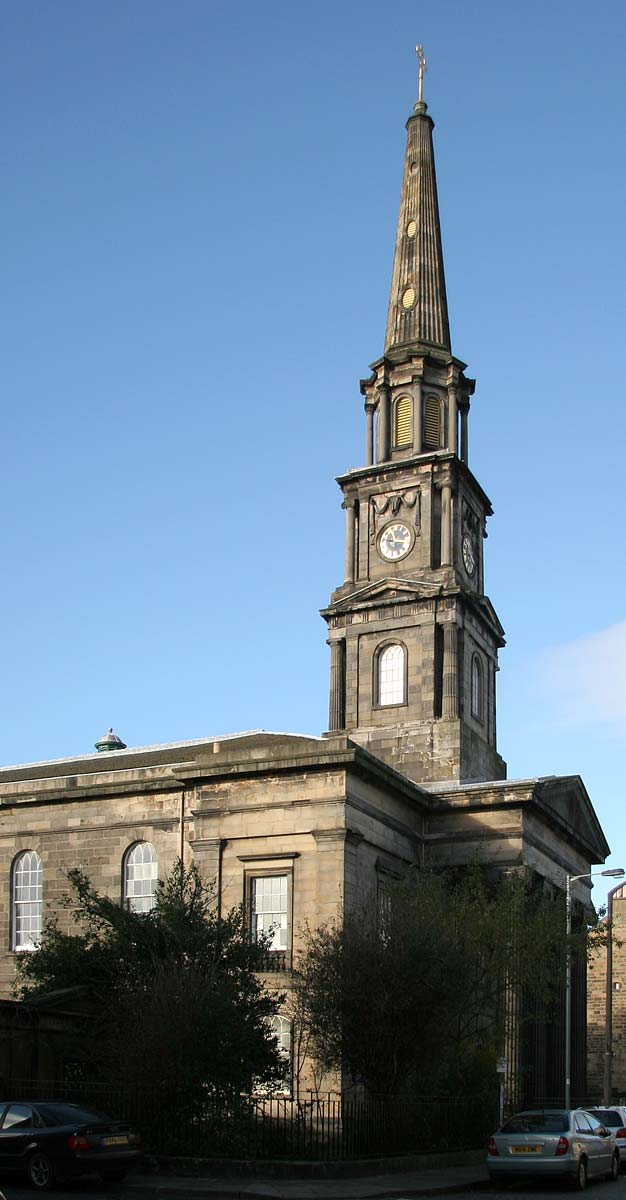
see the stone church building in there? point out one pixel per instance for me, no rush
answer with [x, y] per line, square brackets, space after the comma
[409, 770]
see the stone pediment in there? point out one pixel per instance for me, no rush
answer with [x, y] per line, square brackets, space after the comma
[386, 590]
[566, 797]
[485, 607]
[556, 814]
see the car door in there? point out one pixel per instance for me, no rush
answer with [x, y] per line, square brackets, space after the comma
[17, 1133]
[603, 1143]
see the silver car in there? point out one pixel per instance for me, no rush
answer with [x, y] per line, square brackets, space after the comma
[614, 1117]
[556, 1142]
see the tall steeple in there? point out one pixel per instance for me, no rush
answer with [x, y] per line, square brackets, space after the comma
[418, 308]
[414, 639]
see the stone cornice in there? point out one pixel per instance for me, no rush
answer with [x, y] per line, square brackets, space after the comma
[342, 755]
[534, 795]
[71, 794]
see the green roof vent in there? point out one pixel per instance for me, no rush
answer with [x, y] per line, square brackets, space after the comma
[110, 741]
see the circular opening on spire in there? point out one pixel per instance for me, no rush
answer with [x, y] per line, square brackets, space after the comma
[409, 297]
[413, 168]
[411, 229]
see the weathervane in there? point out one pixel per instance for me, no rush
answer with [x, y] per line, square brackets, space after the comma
[423, 66]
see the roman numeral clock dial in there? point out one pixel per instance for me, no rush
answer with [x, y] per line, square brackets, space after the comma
[469, 554]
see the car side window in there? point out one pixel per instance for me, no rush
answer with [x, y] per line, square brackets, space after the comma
[596, 1126]
[582, 1123]
[18, 1116]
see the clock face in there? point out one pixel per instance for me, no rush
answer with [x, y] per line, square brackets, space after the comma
[469, 554]
[395, 541]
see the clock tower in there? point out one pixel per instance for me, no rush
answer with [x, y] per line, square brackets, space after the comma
[414, 639]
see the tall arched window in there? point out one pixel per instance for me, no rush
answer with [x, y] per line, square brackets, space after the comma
[140, 876]
[391, 675]
[27, 881]
[432, 423]
[281, 1028]
[478, 689]
[403, 422]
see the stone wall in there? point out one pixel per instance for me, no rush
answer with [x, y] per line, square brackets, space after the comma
[596, 1010]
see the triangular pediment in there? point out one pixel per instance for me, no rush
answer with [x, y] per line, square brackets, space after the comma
[485, 607]
[386, 590]
[567, 798]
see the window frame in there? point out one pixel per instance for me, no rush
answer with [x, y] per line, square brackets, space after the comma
[397, 444]
[286, 1055]
[15, 903]
[433, 399]
[378, 656]
[20, 1126]
[125, 861]
[477, 690]
[277, 959]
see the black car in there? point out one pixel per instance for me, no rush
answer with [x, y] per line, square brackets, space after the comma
[52, 1140]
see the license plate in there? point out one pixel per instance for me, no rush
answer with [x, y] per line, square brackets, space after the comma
[525, 1149]
[115, 1141]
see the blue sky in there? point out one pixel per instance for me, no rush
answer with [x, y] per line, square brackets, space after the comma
[199, 207]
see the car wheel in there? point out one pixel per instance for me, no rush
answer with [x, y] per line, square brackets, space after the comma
[614, 1172]
[580, 1178]
[114, 1176]
[40, 1172]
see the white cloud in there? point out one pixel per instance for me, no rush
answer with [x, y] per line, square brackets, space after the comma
[585, 680]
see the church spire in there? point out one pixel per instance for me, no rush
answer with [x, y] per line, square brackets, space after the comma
[418, 309]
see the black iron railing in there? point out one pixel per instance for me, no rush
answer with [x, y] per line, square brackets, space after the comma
[275, 960]
[314, 1127]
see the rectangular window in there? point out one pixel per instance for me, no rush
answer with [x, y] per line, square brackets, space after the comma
[269, 899]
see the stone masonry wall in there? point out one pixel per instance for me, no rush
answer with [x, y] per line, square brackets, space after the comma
[596, 1010]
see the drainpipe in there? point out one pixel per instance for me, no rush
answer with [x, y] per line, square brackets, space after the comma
[181, 829]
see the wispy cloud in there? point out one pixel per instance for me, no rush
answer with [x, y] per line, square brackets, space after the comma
[585, 680]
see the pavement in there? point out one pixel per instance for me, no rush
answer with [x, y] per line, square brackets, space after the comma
[422, 1179]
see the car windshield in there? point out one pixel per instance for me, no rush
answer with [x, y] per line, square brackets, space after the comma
[70, 1114]
[607, 1117]
[537, 1122]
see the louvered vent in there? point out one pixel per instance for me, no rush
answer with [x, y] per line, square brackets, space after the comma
[403, 428]
[432, 423]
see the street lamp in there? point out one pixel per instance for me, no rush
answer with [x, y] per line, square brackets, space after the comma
[615, 873]
[608, 1024]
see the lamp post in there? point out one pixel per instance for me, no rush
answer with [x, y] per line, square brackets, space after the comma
[615, 873]
[608, 1024]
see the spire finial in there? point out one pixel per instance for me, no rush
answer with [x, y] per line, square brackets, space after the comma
[422, 66]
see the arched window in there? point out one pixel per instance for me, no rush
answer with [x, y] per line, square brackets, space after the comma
[281, 1028]
[403, 422]
[27, 881]
[140, 877]
[478, 689]
[432, 423]
[391, 675]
